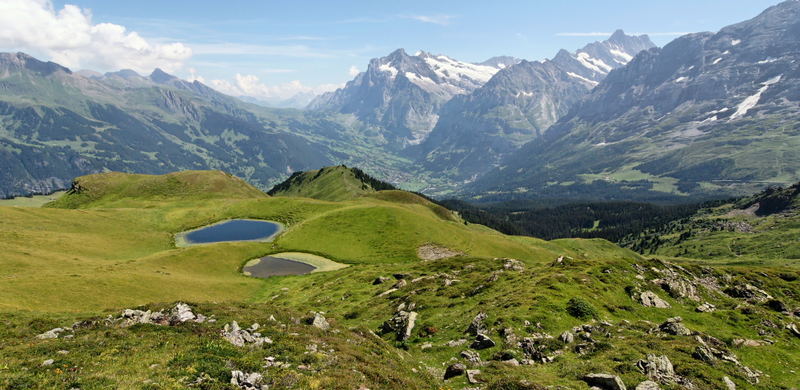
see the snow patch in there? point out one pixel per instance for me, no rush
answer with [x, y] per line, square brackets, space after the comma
[450, 69]
[767, 61]
[524, 93]
[736, 42]
[681, 79]
[584, 79]
[621, 54]
[752, 101]
[594, 64]
[716, 61]
[389, 69]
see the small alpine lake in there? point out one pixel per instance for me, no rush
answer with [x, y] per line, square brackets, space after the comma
[230, 231]
[289, 263]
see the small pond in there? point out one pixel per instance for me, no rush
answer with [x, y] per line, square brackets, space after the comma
[276, 266]
[232, 230]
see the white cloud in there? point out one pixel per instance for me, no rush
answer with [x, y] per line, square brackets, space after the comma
[353, 71]
[442, 20]
[251, 85]
[69, 37]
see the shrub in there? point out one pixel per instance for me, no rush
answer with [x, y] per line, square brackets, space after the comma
[579, 308]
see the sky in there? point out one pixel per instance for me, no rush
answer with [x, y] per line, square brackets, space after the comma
[272, 50]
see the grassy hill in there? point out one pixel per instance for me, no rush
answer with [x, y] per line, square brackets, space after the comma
[330, 183]
[110, 246]
[763, 228]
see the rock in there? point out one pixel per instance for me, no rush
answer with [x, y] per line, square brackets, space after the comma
[456, 343]
[402, 323]
[48, 362]
[319, 321]
[793, 329]
[747, 343]
[657, 368]
[728, 383]
[482, 341]
[400, 276]
[471, 356]
[509, 336]
[705, 308]
[674, 326]
[182, 313]
[426, 346]
[534, 350]
[511, 362]
[513, 265]
[748, 292]
[567, 337]
[648, 385]
[777, 305]
[472, 376]
[63, 352]
[380, 280]
[704, 353]
[678, 287]
[251, 381]
[650, 299]
[605, 381]
[454, 370]
[400, 284]
[241, 337]
[477, 325]
[51, 334]
[179, 314]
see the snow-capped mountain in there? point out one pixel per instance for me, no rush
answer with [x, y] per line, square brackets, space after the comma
[518, 104]
[402, 94]
[709, 113]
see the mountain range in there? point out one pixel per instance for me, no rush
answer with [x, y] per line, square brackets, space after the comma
[709, 114]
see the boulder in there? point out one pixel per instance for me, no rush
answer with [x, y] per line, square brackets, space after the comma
[678, 287]
[567, 337]
[401, 324]
[477, 325]
[454, 370]
[48, 362]
[793, 329]
[380, 280]
[471, 356]
[247, 381]
[241, 337]
[728, 383]
[650, 299]
[748, 292]
[675, 327]
[657, 368]
[472, 376]
[319, 321]
[513, 265]
[605, 381]
[648, 385]
[482, 341]
[51, 334]
[705, 308]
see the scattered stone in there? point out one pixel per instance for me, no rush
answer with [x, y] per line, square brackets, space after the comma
[648, 385]
[511, 362]
[426, 346]
[728, 383]
[454, 370]
[471, 356]
[179, 314]
[748, 292]
[402, 323]
[51, 334]
[472, 376]
[674, 326]
[605, 381]
[251, 381]
[319, 321]
[514, 265]
[567, 337]
[482, 341]
[678, 287]
[657, 368]
[240, 337]
[400, 284]
[387, 292]
[48, 362]
[477, 325]
[380, 280]
[650, 299]
[63, 352]
[747, 343]
[706, 308]
[509, 336]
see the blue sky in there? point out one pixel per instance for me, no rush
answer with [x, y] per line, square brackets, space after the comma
[318, 44]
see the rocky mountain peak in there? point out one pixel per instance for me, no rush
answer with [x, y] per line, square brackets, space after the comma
[15, 62]
[160, 77]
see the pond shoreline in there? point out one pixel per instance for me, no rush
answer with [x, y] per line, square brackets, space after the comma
[182, 240]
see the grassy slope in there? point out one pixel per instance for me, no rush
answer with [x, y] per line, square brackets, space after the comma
[330, 183]
[126, 264]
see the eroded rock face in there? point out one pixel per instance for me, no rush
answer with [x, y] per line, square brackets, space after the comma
[477, 325]
[605, 381]
[650, 299]
[678, 287]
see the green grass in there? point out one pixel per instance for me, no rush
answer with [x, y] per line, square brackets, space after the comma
[31, 201]
[115, 249]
